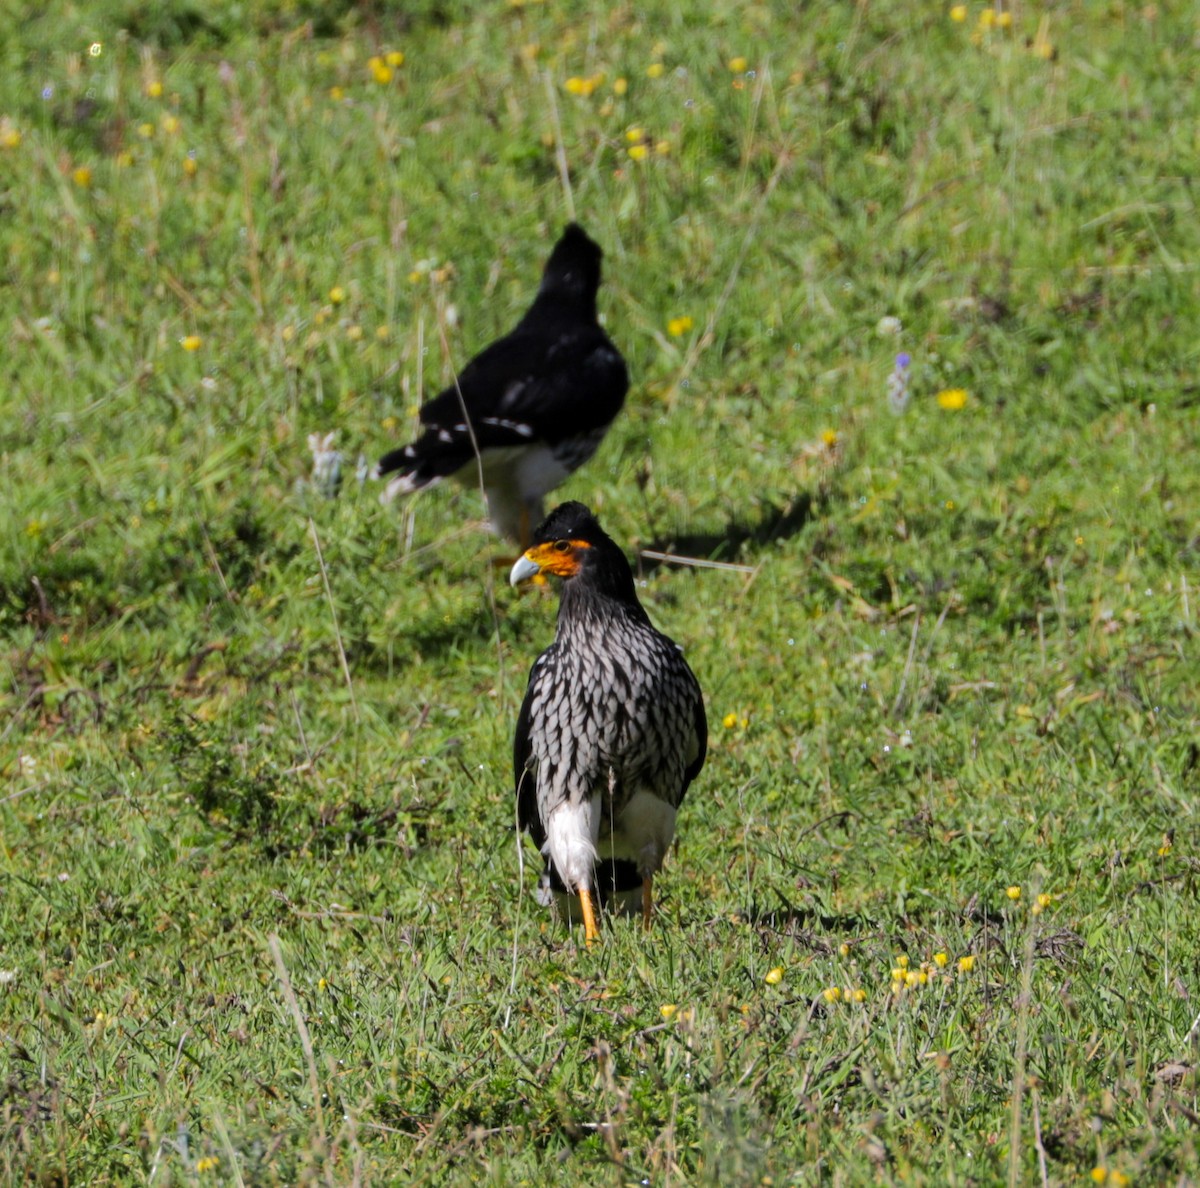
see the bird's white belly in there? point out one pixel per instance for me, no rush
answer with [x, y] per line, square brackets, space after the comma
[538, 472]
[643, 832]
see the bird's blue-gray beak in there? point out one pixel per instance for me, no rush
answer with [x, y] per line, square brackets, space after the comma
[522, 570]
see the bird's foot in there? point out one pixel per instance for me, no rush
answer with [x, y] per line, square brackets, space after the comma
[647, 901]
[590, 932]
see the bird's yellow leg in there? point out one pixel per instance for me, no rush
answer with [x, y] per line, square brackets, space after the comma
[590, 931]
[647, 900]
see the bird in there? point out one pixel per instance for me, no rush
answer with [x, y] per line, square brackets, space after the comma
[529, 409]
[612, 730]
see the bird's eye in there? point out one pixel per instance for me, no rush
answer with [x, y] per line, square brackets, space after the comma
[562, 546]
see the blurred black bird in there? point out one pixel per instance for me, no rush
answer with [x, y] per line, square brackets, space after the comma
[612, 730]
[535, 404]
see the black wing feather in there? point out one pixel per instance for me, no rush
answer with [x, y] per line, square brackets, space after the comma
[693, 768]
[558, 385]
[555, 376]
[524, 779]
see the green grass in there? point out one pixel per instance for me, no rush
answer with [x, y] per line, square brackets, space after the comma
[261, 909]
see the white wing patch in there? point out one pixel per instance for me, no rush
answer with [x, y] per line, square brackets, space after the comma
[518, 427]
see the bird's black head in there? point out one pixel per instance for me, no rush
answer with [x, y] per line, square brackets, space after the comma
[570, 544]
[573, 271]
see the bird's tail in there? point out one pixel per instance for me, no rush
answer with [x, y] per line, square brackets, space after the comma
[431, 458]
[617, 887]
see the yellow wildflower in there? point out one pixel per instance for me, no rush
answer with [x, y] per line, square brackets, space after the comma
[635, 135]
[381, 71]
[154, 89]
[940, 959]
[667, 1010]
[911, 978]
[146, 131]
[902, 961]
[967, 963]
[987, 18]
[10, 137]
[729, 721]
[82, 177]
[1099, 1175]
[774, 976]
[190, 342]
[620, 86]
[189, 166]
[655, 70]
[337, 94]
[958, 13]
[394, 58]
[638, 152]
[830, 438]
[207, 1164]
[952, 399]
[738, 65]
[322, 984]
[662, 147]
[832, 994]
[354, 332]
[843, 950]
[1013, 892]
[337, 295]
[583, 86]
[170, 124]
[1004, 20]
[677, 327]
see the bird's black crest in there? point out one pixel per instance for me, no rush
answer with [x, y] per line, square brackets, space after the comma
[603, 567]
[571, 521]
[574, 264]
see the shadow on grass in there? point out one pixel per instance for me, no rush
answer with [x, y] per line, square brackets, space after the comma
[774, 523]
[786, 917]
[437, 633]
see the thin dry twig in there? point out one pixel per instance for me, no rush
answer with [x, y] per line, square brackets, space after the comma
[1018, 1086]
[560, 152]
[285, 983]
[898, 704]
[706, 339]
[695, 562]
[337, 631]
[490, 585]
[222, 1132]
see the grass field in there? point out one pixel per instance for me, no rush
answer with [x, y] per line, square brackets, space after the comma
[933, 913]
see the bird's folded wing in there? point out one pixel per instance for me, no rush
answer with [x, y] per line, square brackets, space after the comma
[523, 389]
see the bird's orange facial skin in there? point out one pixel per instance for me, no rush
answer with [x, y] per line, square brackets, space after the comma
[559, 557]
